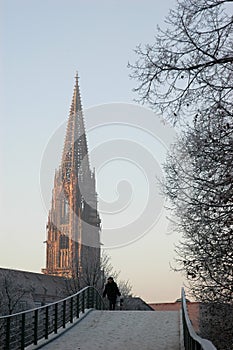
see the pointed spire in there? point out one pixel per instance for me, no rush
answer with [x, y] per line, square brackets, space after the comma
[75, 153]
[76, 104]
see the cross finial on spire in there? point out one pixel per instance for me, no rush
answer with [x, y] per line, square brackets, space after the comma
[76, 77]
[76, 100]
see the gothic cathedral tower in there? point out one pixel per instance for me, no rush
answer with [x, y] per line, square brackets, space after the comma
[73, 228]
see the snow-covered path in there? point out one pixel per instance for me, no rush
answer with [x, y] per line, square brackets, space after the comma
[122, 330]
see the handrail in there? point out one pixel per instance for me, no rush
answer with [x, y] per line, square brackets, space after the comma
[22, 329]
[191, 340]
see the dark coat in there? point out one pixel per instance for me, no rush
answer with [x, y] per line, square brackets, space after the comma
[111, 290]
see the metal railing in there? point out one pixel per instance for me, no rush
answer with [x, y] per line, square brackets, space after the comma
[20, 330]
[191, 340]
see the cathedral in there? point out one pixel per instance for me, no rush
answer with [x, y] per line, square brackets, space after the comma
[73, 227]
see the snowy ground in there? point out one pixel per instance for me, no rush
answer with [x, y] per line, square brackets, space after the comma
[122, 330]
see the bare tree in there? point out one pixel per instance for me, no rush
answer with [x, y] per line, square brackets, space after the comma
[199, 184]
[188, 73]
[72, 285]
[200, 187]
[125, 288]
[11, 296]
[90, 273]
[94, 272]
[189, 66]
[108, 269]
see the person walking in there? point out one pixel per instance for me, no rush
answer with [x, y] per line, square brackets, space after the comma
[112, 291]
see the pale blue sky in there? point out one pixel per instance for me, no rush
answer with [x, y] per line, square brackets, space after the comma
[43, 43]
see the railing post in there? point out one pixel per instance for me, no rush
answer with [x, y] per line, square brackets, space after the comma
[55, 318]
[83, 302]
[92, 297]
[35, 326]
[71, 310]
[46, 322]
[88, 298]
[64, 314]
[77, 309]
[22, 331]
[97, 301]
[8, 332]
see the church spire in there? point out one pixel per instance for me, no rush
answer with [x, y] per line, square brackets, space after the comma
[73, 224]
[75, 158]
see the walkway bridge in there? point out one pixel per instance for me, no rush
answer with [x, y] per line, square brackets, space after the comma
[81, 322]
